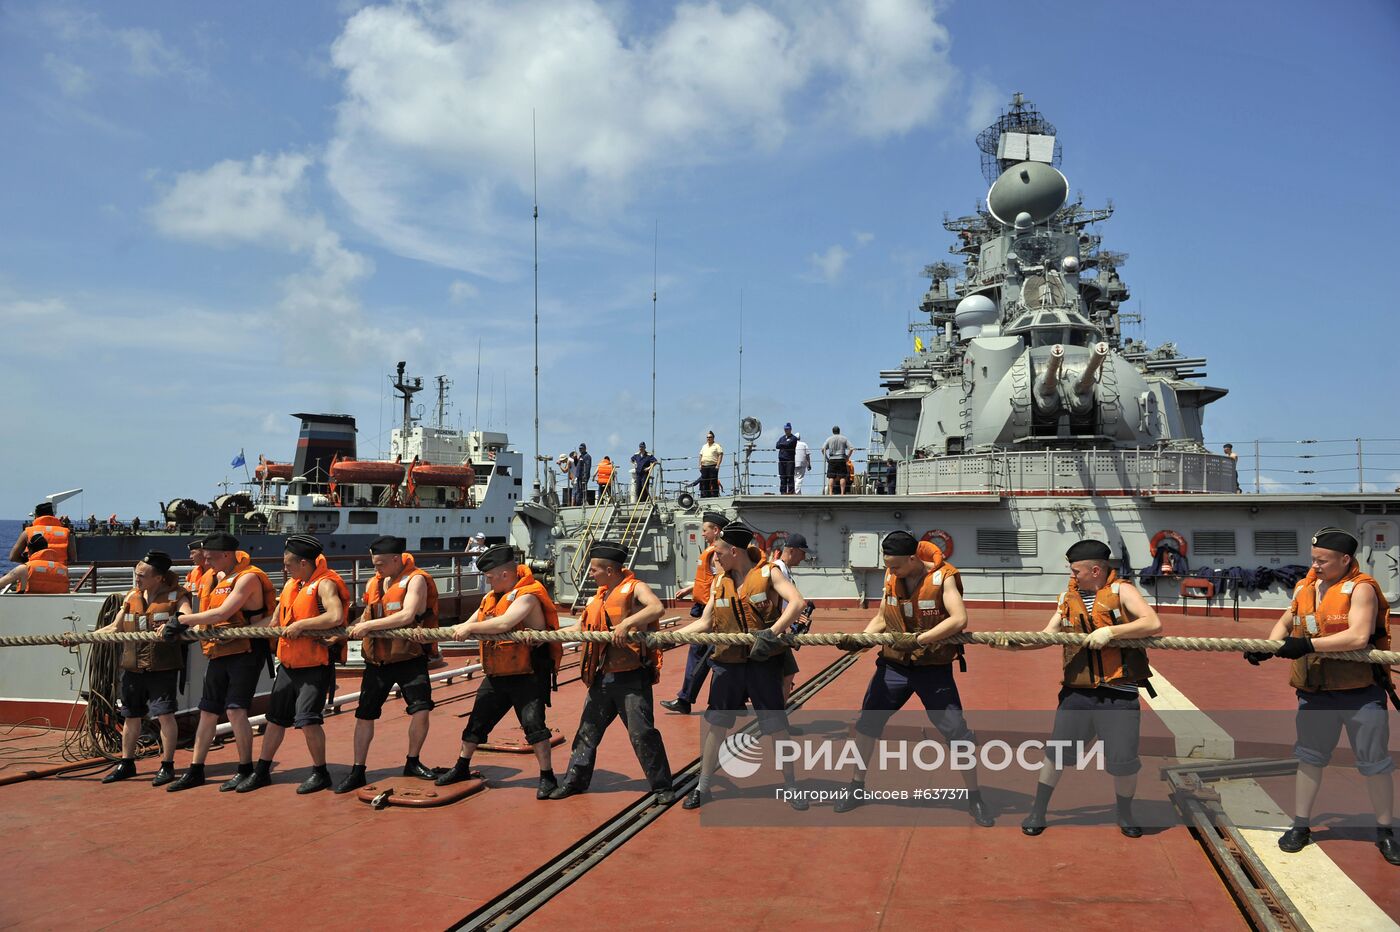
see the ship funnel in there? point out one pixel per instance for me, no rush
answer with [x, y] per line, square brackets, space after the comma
[323, 437]
[1091, 371]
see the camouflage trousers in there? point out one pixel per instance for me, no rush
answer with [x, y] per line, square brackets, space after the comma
[626, 696]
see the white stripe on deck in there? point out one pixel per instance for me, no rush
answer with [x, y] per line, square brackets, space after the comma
[1321, 891]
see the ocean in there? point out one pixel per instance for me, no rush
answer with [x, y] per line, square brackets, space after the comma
[9, 530]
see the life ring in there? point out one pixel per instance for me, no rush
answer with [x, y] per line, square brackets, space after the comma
[942, 538]
[1173, 536]
[775, 541]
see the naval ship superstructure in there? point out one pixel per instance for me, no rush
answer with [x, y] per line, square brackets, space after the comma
[1025, 419]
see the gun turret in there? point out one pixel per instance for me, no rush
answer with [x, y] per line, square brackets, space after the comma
[1048, 388]
[1091, 371]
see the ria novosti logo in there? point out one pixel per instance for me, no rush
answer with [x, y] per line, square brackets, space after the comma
[740, 755]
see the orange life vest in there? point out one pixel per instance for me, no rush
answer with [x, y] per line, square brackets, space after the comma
[752, 606]
[605, 471]
[1086, 668]
[923, 611]
[300, 601]
[48, 573]
[511, 658]
[216, 593]
[931, 553]
[602, 613]
[385, 597]
[54, 532]
[1311, 618]
[192, 579]
[139, 613]
[704, 576]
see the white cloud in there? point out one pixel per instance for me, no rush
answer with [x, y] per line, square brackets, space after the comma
[432, 150]
[72, 79]
[984, 102]
[864, 238]
[144, 52]
[830, 264]
[461, 292]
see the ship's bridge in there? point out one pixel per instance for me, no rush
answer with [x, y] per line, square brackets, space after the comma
[1048, 327]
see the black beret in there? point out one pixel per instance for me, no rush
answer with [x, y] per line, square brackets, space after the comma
[607, 550]
[388, 544]
[715, 517]
[736, 535]
[304, 546]
[38, 542]
[197, 544]
[899, 544]
[157, 560]
[494, 556]
[1088, 550]
[1334, 538]
[43, 509]
[221, 540]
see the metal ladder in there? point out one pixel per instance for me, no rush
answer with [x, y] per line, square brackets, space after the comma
[626, 523]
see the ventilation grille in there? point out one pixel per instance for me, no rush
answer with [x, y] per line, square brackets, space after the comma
[1009, 541]
[1282, 543]
[1213, 543]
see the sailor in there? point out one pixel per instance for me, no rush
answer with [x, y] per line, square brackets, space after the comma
[745, 599]
[697, 665]
[787, 459]
[518, 674]
[1336, 607]
[240, 596]
[802, 462]
[150, 669]
[619, 675]
[475, 549]
[922, 606]
[59, 536]
[198, 573]
[604, 477]
[1099, 696]
[399, 596]
[314, 598]
[789, 557]
[43, 571]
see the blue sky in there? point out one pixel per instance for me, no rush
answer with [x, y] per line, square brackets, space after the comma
[219, 214]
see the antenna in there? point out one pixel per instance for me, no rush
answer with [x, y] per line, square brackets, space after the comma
[476, 416]
[535, 193]
[407, 388]
[655, 235]
[442, 385]
[740, 408]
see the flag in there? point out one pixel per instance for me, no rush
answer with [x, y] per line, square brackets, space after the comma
[239, 460]
[918, 345]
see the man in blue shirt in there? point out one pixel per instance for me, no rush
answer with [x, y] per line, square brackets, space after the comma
[585, 472]
[787, 459]
[642, 462]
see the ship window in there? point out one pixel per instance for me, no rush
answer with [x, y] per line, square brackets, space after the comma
[364, 517]
[458, 543]
[1213, 543]
[1276, 542]
[1006, 541]
[430, 544]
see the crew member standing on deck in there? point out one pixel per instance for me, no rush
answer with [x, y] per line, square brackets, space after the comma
[711, 458]
[241, 597]
[922, 606]
[43, 571]
[619, 675]
[697, 665]
[59, 536]
[1100, 692]
[150, 669]
[518, 673]
[399, 596]
[315, 598]
[787, 460]
[1336, 607]
[745, 599]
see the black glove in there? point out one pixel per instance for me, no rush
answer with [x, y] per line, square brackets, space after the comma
[848, 643]
[172, 630]
[766, 645]
[1293, 648]
[1257, 657]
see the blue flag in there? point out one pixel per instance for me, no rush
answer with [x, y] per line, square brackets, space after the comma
[238, 460]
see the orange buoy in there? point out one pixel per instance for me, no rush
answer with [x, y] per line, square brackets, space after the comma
[942, 538]
[1169, 535]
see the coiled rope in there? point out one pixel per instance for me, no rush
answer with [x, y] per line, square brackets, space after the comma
[664, 638]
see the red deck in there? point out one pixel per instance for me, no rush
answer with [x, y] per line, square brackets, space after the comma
[129, 856]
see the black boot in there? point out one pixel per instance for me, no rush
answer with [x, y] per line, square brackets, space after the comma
[1126, 823]
[353, 780]
[192, 777]
[412, 767]
[852, 799]
[1034, 822]
[124, 770]
[567, 789]
[319, 780]
[166, 773]
[679, 706]
[231, 784]
[696, 799]
[259, 778]
[1386, 842]
[665, 796]
[462, 770]
[548, 784]
[978, 809]
[1295, 839]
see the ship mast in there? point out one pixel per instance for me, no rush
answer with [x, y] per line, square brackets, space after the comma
[407, 388]
[443, 383]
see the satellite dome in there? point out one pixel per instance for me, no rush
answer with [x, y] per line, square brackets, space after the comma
[973, 313]
[1070, 264]
[1030, 187]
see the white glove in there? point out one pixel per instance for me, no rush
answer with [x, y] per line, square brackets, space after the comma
[1099, 638]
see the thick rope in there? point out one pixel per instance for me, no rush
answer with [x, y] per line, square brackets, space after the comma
[661, 638]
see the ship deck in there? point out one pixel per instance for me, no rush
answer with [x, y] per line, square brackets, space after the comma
[128, 856]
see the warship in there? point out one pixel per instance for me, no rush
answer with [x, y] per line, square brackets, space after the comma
[1025, 420]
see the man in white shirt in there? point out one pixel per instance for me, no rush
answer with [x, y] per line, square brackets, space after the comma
[711, 456]
[802, 461]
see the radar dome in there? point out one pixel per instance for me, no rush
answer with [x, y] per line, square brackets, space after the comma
[973, 313]
[1030, 187]
[1070, 264]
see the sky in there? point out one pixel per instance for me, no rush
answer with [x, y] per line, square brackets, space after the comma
[218, 214]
